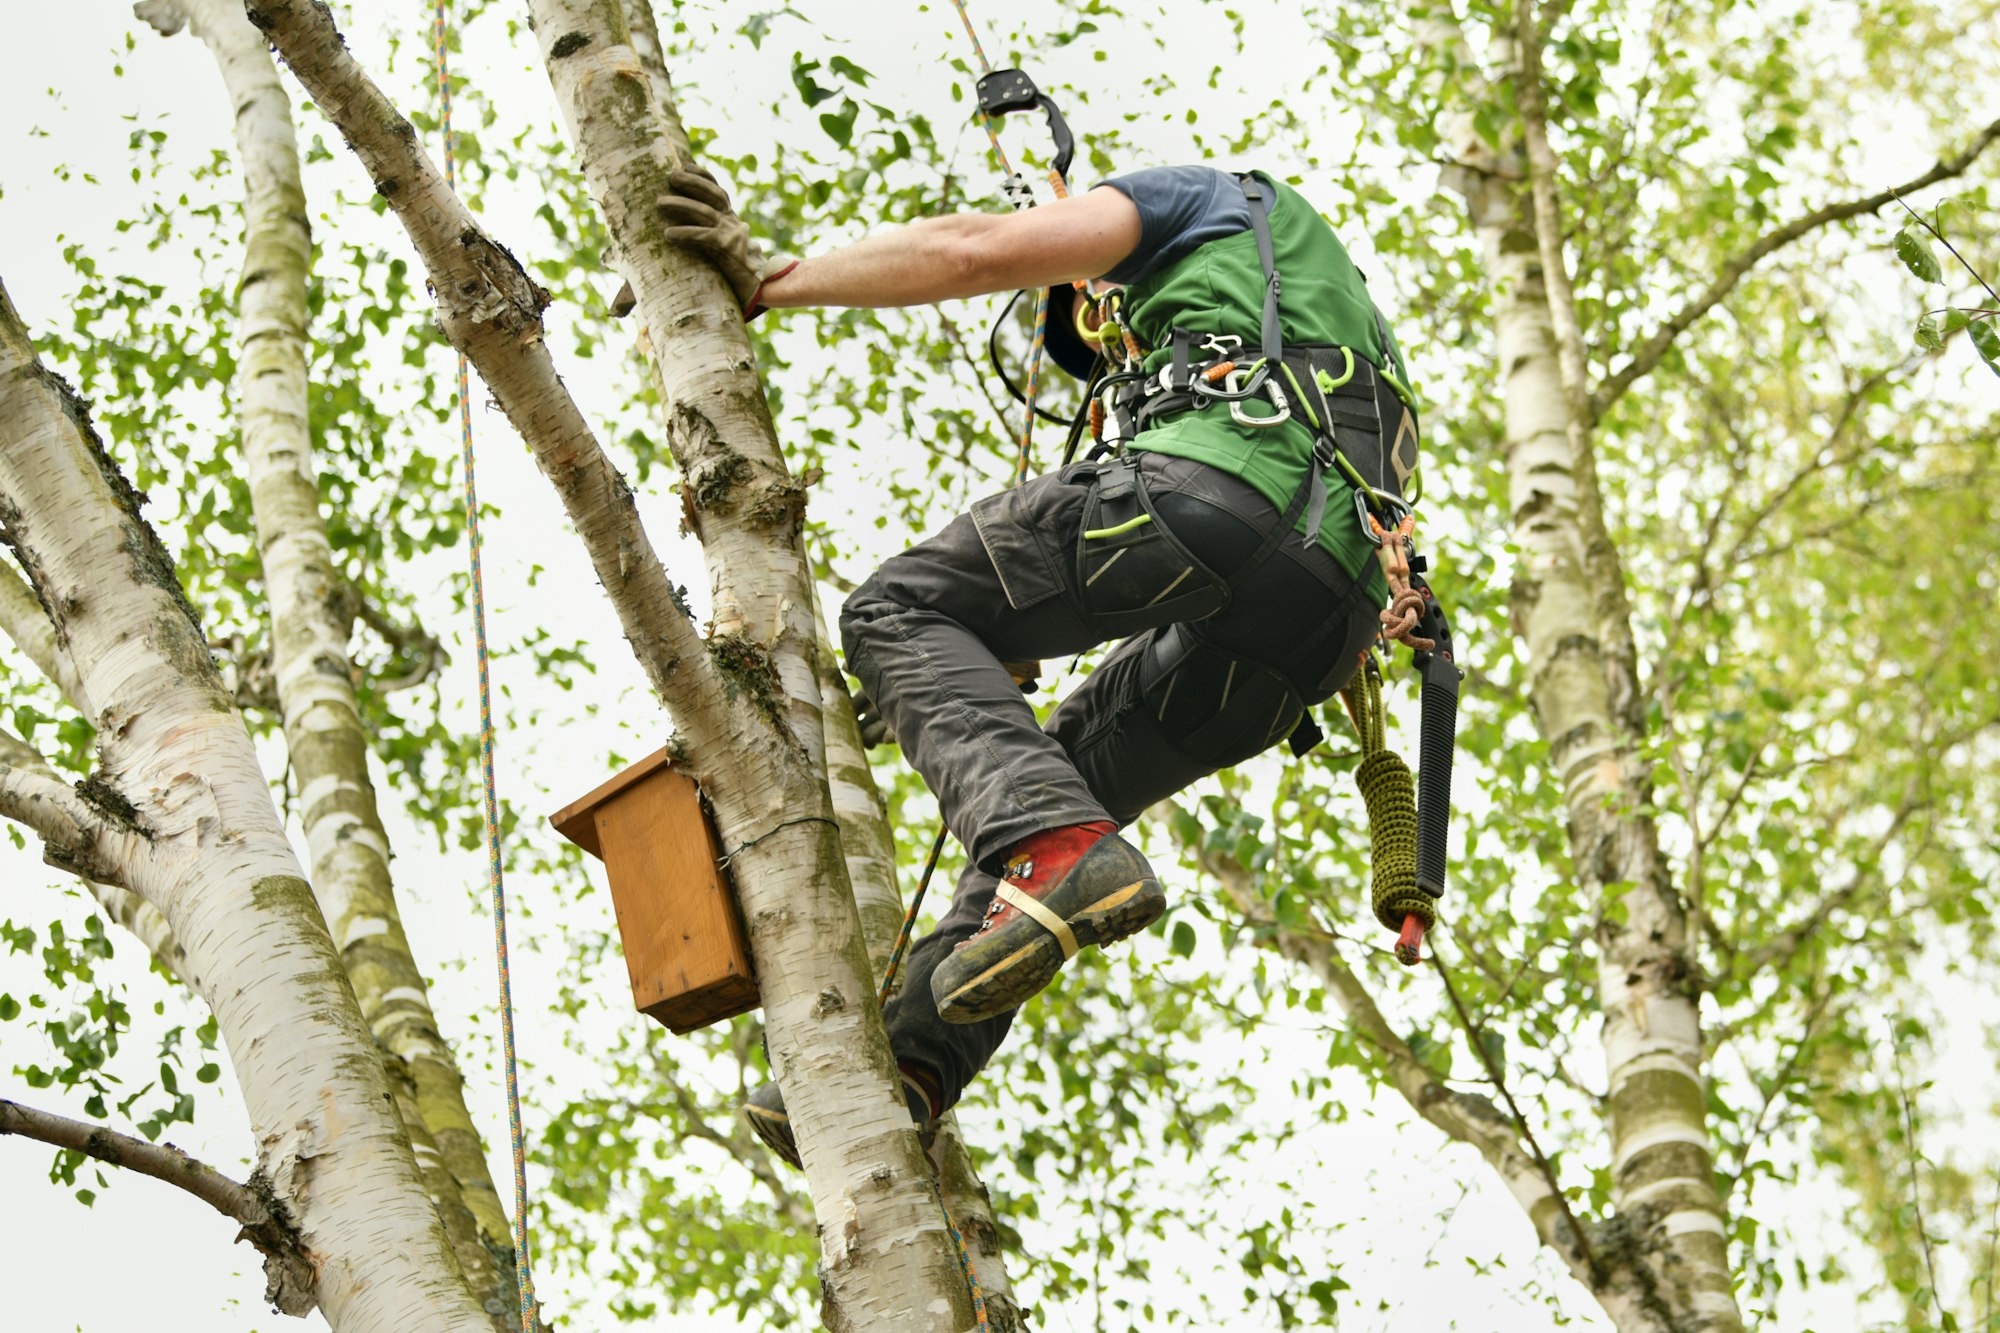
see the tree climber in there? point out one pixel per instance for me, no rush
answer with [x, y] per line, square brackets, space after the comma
[1177, 544]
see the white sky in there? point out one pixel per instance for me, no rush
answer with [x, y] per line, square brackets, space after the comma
[146, 1257]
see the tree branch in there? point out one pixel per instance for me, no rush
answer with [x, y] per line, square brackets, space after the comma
[24, 620]
[162, 1161]
[491, 310]
[1461, 1116]
[1778, 952]
[122, 905]
[1476, 1036]
[290, 1278]
[1654, 347]
[411, 640]
[73, 832]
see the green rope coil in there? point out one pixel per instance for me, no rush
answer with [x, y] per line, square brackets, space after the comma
[1390, 793]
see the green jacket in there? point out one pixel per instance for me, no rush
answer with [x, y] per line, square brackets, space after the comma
[1220, 288]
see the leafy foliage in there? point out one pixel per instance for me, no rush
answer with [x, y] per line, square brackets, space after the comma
[1805, 511]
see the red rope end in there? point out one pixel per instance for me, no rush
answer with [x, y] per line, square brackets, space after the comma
[1410, 943]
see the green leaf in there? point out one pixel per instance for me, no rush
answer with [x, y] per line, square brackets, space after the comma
[1955, 319]
[1917, 256]
[809, 88]
[847, 69]
[208, 1073]
[839, 125]
[1986, 339]
[1183, 942]
[1928, 336]
[10, 1008]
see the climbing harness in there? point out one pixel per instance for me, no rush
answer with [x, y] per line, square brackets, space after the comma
[1347, 402]
[524, 1278]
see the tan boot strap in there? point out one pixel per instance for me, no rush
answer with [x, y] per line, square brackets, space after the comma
[1043, 917]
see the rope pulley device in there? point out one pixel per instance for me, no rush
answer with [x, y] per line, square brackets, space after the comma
[1002, 92]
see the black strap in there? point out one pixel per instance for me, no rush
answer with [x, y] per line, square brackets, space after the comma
[1276, 536]
[1273, 345]
[1181, 376]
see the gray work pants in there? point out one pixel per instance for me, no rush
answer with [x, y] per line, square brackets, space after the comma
[1042, 572]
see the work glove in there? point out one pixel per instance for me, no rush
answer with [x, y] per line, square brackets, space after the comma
[698, 217]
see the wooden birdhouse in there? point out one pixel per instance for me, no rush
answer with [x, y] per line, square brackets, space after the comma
[684, 941]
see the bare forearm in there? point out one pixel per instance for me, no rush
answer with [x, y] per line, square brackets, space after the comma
[920, 264]
[968, 254]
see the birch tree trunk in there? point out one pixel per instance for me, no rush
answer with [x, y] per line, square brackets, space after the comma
[870, 849]
[888, 1261]
[179, 813]
[1665, 1258]
[311, 622]
[746, 700]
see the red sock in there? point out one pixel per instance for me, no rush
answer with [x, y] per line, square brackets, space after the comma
[1041, 859]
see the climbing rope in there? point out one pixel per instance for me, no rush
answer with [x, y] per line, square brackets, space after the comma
[524, 1279]
[1390, 794]
[901, 946]
[1024, 454]
[910, 919]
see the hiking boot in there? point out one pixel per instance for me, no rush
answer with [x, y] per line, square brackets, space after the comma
[765, 1110]
[1051, 902]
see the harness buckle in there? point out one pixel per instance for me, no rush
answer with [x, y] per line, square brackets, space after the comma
[1232, 383]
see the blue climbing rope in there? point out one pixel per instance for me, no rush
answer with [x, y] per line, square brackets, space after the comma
[524, 1278]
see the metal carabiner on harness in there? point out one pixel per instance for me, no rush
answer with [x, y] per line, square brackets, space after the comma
[1392, 512]
[1237, 394]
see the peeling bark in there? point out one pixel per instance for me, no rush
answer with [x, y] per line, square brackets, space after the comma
[186, 816]
[314, 673]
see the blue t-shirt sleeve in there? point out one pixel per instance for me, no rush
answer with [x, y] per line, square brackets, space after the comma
[1181, 209]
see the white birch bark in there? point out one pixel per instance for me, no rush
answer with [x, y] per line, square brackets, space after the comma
[123, 906]
[1665, 1262]
[652, 54]
[183, 813]
[748, 710]
[26, 622]
[887, 1259]
[869, 846]
[314, 672]
[491, 310]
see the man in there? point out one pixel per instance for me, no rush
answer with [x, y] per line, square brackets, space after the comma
[1242, 594]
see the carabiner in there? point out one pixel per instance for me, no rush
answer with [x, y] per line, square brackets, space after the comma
[1232, 385]
[1373, 528]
